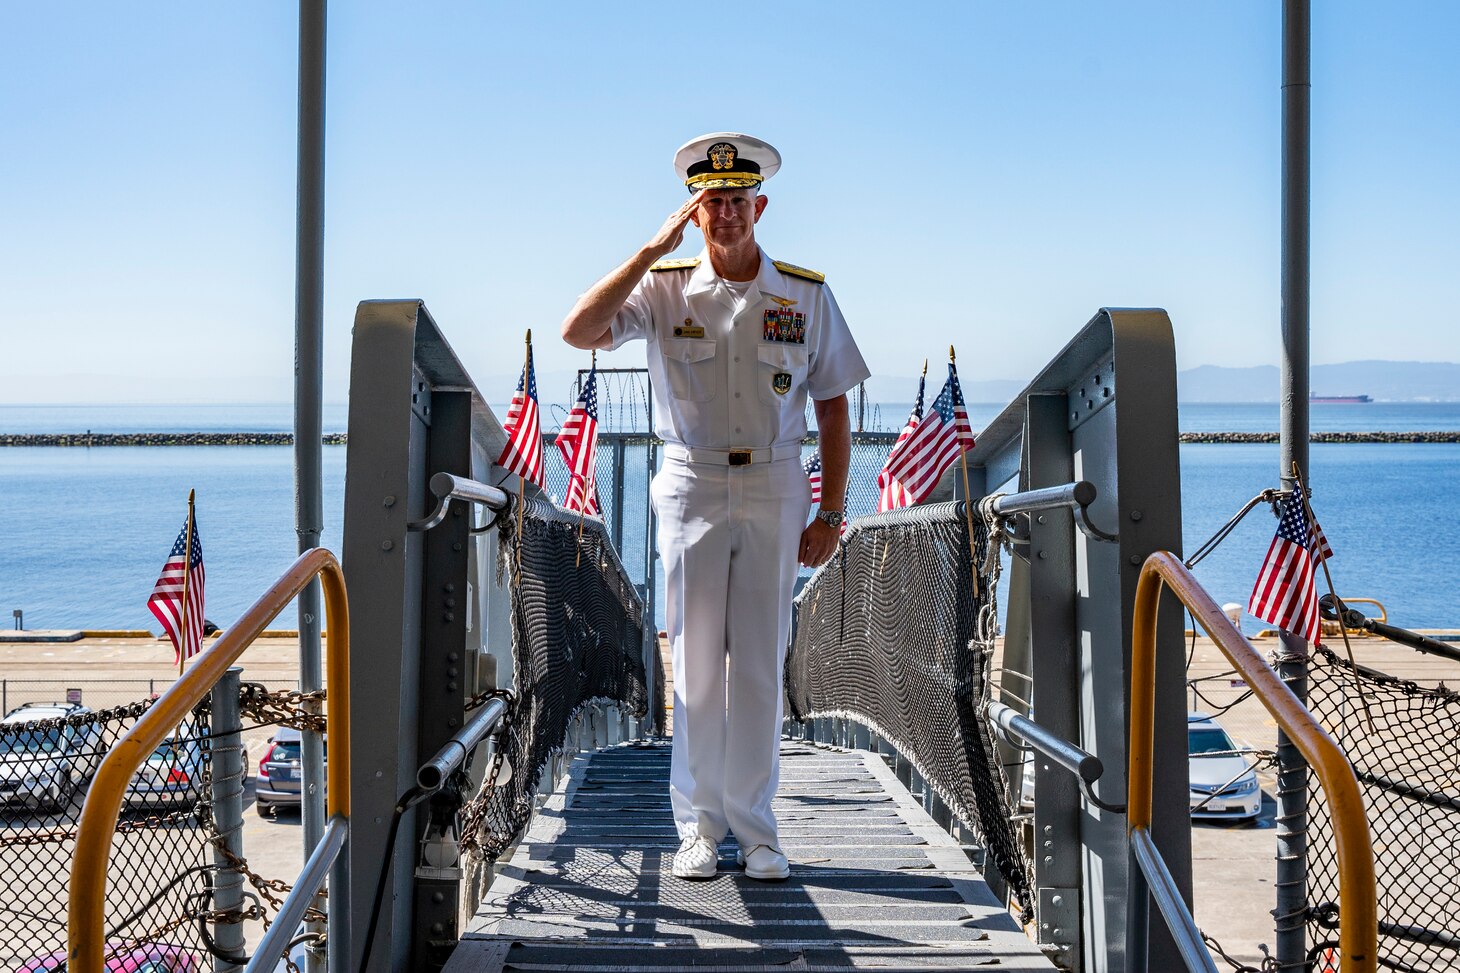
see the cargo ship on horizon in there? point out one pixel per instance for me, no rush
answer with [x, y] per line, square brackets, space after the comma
[1339, 399]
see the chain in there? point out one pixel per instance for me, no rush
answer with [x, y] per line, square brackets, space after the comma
[266, 887]
[283, 707]
[474, 812]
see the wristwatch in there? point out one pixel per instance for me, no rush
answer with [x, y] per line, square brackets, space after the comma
[832, 518]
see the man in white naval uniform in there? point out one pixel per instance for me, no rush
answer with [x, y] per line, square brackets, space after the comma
[735, 344]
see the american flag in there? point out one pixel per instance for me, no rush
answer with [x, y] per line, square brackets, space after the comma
[891, 493]
[166, 599]
[939, 438]
[578, 442]
[523, 453]
[1286, 592]
[812, 466]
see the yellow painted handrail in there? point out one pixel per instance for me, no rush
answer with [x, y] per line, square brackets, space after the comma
[1383, 612]
[1358, 908]
[85, 929]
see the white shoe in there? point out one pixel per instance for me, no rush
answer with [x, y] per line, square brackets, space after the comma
[698, 857]
[765, 863]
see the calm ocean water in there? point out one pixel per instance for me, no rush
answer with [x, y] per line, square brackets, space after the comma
[83, 532]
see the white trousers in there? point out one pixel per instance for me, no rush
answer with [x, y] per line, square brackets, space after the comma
[728, 539]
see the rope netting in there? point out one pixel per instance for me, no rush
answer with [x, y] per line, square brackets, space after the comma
[891, 633]
[577, 639]
[1408, 764]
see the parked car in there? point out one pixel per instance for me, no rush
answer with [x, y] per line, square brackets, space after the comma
[141, 958]
[1223, 784]
[279, 781]
[172, 775]
[1216, 767]
[44, 767]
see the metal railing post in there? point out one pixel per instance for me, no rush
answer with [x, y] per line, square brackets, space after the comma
[227, 795]
[617, 527]
[1292, 815]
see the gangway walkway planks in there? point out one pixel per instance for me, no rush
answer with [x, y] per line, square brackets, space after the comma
[875, 883]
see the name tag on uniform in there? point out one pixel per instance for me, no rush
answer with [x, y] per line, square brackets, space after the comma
[689, 330]
[784, 325]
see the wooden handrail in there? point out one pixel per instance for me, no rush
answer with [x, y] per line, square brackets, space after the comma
[85, 928]
[1358, 907]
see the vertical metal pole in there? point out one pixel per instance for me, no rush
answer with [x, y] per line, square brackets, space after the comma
[227, 796]
[617, 527]
[651, 564]
[308, 402]
[1292, 822]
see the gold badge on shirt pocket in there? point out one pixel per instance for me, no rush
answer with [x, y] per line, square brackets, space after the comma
[689, 329]
[781, 383]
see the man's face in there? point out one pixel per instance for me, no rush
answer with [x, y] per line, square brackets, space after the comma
[728, 216]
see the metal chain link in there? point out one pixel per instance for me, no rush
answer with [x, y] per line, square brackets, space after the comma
[266, 887]
[474, 812]
[283, 707]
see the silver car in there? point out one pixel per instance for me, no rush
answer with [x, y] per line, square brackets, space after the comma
[172, 775]
[44, 764]
[1223, 783]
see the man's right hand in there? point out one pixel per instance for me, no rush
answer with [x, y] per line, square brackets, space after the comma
[672, 232]
[590, 323]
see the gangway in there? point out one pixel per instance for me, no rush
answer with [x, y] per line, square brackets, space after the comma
[505, 777]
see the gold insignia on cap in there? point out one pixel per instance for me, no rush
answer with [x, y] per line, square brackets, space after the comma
[721, 155]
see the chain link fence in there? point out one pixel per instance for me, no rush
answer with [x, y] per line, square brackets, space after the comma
[165, 857]
[161, 864]
[1403, 740]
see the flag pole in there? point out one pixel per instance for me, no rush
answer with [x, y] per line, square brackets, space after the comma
[883, 563]
[182, 647]
[1301, 489]
[967, 496]
[583, 507]
[522, 480]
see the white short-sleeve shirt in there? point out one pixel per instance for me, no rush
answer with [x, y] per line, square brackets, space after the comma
[725, 379]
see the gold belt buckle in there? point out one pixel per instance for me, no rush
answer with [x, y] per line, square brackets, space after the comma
[739, 457]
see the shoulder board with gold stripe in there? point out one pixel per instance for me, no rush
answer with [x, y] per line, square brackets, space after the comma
[685, 263]
[801, 272]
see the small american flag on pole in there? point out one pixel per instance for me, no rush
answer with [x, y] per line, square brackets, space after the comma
[578, 442]
[891, 494]
[523, 453]
[940, 437]
[166, 600]
[1286, 592]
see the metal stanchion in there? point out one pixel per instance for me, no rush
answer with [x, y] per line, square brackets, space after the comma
[227, 797]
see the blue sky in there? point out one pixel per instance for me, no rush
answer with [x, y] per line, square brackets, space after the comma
[980, 173]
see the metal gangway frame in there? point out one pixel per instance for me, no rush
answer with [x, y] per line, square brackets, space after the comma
[433, 620]
[1082, 468]
[1104, 411]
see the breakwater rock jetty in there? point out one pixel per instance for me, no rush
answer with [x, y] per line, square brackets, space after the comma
[161, 439]
[1444, 436]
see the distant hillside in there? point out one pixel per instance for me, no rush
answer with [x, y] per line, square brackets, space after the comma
[1386, 381]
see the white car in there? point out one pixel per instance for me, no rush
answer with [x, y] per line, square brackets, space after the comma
[45, 766]
[1223, 783]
